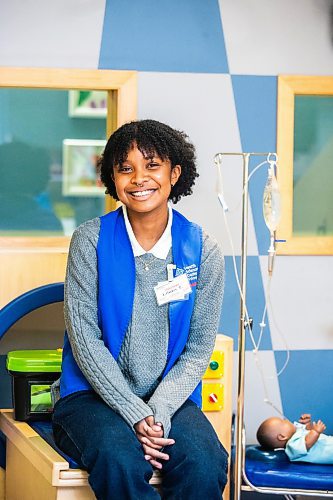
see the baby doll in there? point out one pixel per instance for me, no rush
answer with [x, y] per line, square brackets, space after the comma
[303, 441]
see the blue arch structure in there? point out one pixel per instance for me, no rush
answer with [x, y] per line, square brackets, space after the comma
[29, 301]
[16, 309]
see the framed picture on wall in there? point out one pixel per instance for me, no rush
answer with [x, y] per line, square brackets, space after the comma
[87, 103]
[80, 170]
[305, 175]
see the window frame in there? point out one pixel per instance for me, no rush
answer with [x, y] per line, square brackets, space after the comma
[288, 88]
[121, 87]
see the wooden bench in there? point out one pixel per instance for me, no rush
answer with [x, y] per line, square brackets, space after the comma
[2, 483]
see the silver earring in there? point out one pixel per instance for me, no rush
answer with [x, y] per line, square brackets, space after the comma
[172, 185]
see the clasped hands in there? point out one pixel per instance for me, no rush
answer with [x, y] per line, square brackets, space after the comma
[150, 435]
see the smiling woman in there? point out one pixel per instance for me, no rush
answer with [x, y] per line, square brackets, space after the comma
[153, 139]
[144, 184]
[151, 164]
[143, 295]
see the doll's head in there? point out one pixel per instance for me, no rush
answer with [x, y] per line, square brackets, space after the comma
[274, 432]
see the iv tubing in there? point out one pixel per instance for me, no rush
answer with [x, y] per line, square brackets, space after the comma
[243, 323]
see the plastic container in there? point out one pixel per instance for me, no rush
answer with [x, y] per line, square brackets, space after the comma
[33, 373]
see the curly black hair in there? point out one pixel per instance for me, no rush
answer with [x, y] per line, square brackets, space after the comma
[152, 138]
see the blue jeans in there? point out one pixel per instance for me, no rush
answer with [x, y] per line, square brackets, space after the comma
[101, 442]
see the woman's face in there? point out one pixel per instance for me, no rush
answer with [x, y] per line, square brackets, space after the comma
[144, 184]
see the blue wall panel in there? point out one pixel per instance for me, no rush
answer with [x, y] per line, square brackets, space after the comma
[306, 385]
[255, 100]
[164, 35]
[229, 323]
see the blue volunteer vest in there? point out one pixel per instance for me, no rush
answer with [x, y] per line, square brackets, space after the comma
[116, 286]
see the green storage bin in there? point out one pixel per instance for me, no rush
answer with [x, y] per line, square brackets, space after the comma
[33, 372]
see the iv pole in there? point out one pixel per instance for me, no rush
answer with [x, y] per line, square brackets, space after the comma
[243, 324]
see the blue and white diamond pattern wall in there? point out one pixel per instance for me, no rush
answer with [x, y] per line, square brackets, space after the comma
[278, 37]
[255, 409]
[168, 35]
[255, 304]
[306, 385]
[45, 33]
[301, 296]
[202, 105]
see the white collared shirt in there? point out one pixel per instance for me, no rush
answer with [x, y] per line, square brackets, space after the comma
[161, 248]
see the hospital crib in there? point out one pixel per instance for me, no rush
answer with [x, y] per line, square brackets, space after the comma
[37, 470]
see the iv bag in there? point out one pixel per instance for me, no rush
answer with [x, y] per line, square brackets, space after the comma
[271, 201]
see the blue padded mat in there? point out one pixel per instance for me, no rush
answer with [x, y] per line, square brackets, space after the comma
[44, 429]
[272, 469]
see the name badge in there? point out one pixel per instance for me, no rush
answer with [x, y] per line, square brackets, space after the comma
[169, 291]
